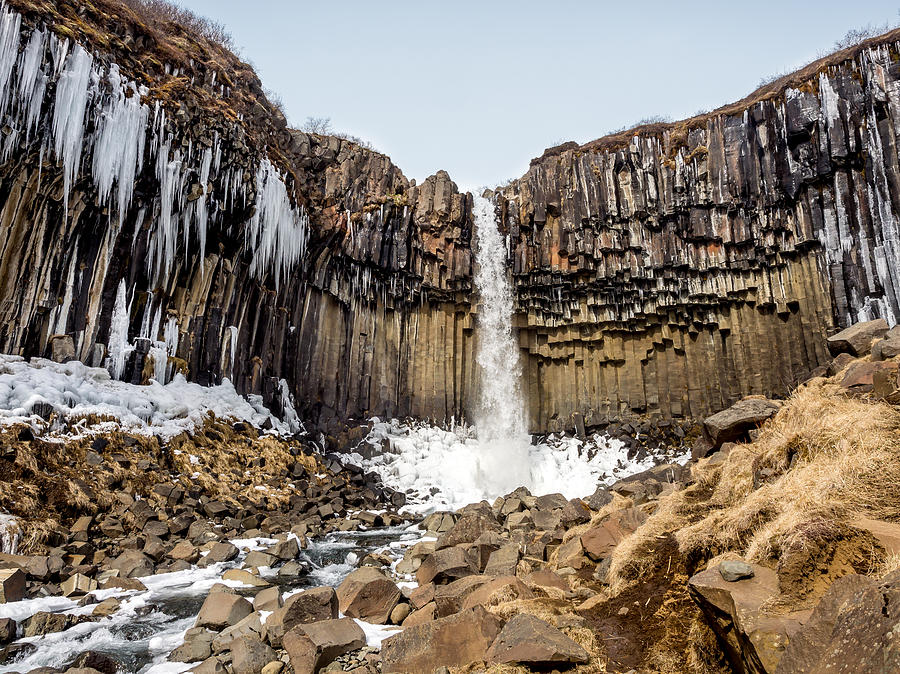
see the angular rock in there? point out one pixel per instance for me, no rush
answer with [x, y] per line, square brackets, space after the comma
[734, 570]
[530, 641]
[133, 564]
[467, 529]
[733, 423]
[313, 646]
[249, 655]
[445, 565]
[857, 339]
[12, 585]
[454, 641]
[496, 591]
[369, 595]
[314, 605]
[223, 609]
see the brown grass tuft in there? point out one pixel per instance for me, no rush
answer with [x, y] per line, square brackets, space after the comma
[824, 460]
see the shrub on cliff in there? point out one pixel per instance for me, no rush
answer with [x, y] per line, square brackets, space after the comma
[161, 12]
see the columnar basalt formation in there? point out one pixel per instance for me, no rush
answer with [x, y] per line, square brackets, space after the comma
[665, 271]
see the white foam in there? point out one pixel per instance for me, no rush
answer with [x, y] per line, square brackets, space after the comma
[435, 467]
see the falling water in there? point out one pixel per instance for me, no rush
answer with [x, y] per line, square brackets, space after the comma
[500, 419]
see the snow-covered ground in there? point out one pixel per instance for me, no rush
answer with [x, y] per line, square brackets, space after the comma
[447, 469]
[75, 391]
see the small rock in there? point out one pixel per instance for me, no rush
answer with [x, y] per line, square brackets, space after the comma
[734, 570]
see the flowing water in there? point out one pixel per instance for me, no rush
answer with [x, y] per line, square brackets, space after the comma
[500, 418]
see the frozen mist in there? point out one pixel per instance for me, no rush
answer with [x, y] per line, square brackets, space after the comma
[500, 417]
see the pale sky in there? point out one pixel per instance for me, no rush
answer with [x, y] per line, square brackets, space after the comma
[479, 88]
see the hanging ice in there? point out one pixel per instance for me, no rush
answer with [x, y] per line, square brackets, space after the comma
[10, 25]
[277, 231]
[119, 148]
[119, 347]
[68, 114]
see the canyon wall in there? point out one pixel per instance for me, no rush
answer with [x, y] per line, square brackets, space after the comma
[158, 217]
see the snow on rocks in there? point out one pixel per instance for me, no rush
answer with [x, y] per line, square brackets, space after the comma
[28, 390]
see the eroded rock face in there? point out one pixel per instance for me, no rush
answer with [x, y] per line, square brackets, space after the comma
[670, 271]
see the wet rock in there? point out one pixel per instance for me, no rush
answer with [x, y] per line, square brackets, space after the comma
[453, 641]
[106, 607]
[530, 641]
[857, 339]
[42, 623]
[94, 661]
[197, 646]
[223, 609]
[369, 595]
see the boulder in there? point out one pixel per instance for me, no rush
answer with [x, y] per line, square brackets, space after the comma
[197, 646]
[449, 598]
[250, 626]
[285, 550]
[92, 661]
[245, 577]
[886, 349]
[445, 565]
[733, 423]
[546, 578]
[851, 631]
[313, 646]
[8, 630]
[860, 377]
[423, 615]
[369, 595]
[249, 655]
[598, 542]
[133, 564]
[857, 339]
[268, 599]
[314, 605]
[223, 609]
[12, 585]
[223, 551]
[753, 639]
[467, 529]
[503, 562]
[184, 551]
[529, 641]
[42, 623]
[454, 641]
[496, 591]
[77, 585]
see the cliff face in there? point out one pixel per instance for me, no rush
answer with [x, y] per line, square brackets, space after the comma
[158, 216]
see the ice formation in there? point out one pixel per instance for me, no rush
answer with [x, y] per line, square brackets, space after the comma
[74, 391]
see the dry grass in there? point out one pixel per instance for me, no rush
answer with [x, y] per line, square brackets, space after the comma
[824, 460]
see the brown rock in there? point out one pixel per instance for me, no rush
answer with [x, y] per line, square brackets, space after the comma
[249, 655]
[12, 585]
[467, 530]
[369, 595]
[529, 641]
[313, 646]
[546, 578]
[857, 339]
[268, 599]
[498, 590]
[503, 562]
[314, 605]
[860, 377]
[452, 642]
[133, 564]
[223, 609]
[423, 615]
[449, 598]
[445, 565]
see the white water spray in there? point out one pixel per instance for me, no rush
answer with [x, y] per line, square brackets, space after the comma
[502, 428]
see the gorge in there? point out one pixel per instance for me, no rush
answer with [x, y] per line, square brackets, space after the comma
[268, 405]
[651, 268]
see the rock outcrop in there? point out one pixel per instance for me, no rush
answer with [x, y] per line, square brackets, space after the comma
[158, 217]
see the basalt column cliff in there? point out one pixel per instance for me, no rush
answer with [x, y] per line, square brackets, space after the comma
[158, 217]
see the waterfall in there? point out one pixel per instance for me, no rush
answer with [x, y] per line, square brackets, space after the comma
[500, 419]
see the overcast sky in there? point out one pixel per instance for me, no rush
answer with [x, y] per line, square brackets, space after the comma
[479, 88]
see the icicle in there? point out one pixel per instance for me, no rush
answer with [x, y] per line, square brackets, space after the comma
[277, 232]
[32, 80]
[171, 336]
[118, 346]
[233, 331]
[161, 257]
[160, 361]
[10, 25]
[119, 149]
[68, 115]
